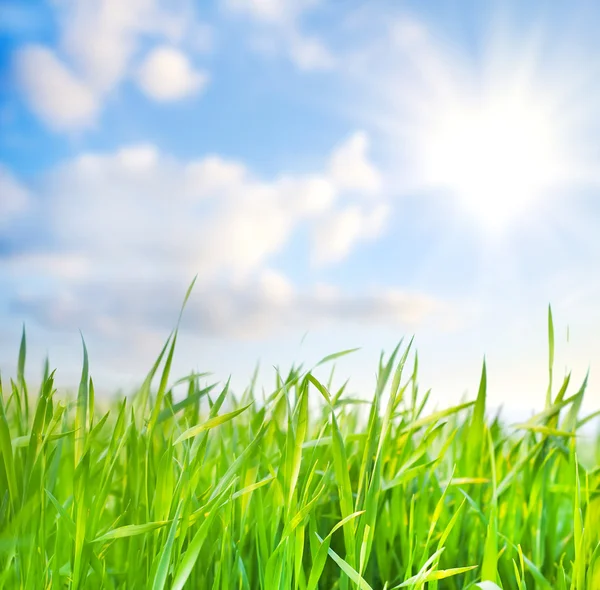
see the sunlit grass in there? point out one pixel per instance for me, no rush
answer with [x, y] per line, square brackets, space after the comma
[299, 489]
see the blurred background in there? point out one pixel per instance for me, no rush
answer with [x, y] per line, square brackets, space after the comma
[338, 173]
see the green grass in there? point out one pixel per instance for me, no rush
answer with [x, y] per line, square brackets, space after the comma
[302, 488]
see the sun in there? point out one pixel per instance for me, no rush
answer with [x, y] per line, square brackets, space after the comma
[492, 128]
[497, 154]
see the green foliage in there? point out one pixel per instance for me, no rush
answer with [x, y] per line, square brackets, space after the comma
[308, 489]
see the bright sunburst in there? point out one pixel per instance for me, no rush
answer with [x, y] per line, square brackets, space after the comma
[492, 134]
[496, 155]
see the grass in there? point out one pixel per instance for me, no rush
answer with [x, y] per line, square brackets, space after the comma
[305, 488]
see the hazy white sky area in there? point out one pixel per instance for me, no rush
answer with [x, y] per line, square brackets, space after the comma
[337, 175]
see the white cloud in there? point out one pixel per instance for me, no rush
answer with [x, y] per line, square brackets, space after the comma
[72, 267]
[341, 230]
[262, 306]
[54, 94]
[279, 25]
[262, 10]
[166, 75]
[121, 210]
[275, 287]
[137, 224]
[136, 199]
[310, 54]
[350, 167]
[14, 197]
[98, 43]
[102, 37]
[271, 11]
[215, 176]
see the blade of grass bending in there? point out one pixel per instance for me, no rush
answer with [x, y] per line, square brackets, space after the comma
[545, 430]
[419, 579]
[211, 423]
[323, 550]
[437, 575]
[348, 569]
[184, 403]
[434, 417]
[130, 530]
[335, 356]
[570, 422]
[252, 487]
[144, 391]
[162, 388]
[70, 524]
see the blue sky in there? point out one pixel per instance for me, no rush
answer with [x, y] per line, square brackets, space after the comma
[361, 171]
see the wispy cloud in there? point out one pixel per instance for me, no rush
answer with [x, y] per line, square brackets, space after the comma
[15, 199]
[470, 196]
[277, 29]
[54, 93]
[99, 43]
[138, 221]
[167, 74]
[339, 231]
[265, 306]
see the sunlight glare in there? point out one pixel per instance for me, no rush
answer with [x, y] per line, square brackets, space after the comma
[496, 155]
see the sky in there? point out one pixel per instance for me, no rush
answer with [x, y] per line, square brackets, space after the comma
[336, 173]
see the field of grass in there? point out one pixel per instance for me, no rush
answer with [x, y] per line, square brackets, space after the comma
[299, 488]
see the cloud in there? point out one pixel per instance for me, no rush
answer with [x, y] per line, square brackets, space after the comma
[54, 94]
[278, 28]
[340, 231]
[263, 10]
[14, 197]
[350, 167]
[309, 53]
[167, 75]
[98, 45]
[128, 229]
[130, 203]
[262, 307]
[124, 208]
[270, 11]
[101, 38]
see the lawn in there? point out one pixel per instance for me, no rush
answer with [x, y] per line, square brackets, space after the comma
[301, 487]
